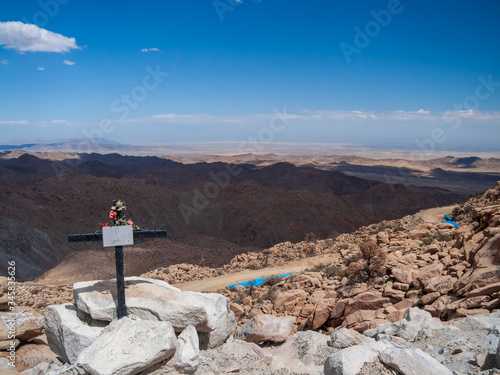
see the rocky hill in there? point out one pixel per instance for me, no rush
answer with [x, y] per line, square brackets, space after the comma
[44, 200]
[408, 296]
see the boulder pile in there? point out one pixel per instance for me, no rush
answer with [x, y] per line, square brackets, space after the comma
[450, 272]
[89, 339]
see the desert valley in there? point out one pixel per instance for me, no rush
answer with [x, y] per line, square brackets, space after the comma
[249, 187]
[370, 270]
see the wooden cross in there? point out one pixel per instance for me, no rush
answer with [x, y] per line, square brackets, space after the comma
[110, 239]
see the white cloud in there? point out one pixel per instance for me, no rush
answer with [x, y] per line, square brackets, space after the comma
[5, 62]
[26, 37]
[20, 122]
[472, 114]
[150, 49]
[40, 68]
[67, 62]
[62, 122]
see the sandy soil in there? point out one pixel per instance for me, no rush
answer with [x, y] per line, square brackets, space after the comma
[435, 215]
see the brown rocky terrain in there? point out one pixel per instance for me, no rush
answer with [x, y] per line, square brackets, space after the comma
[450, 272]
[42, 201]
[380, 274]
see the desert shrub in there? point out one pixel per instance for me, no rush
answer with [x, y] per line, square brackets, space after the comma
[383, 226]
[251, 287]
[444, 237]
[374, 258]
[317, 268]
[370, 265]
[344, 273]
[271, 280]
[310, 237]
[330, 270]
[269, 295]
[255, 267]
[426, 241]
[399, 228]
[351, 259]
[356, 272]
[309, 249]
[240, 296]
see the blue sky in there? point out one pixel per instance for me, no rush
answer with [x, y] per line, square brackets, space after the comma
[367, 72]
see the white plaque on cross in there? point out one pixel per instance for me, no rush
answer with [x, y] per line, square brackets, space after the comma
[120, 235]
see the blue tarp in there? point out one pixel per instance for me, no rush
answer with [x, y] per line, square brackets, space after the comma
[255, 282]
[448, 217]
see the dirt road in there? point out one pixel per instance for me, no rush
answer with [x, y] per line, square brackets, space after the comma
[217, 283]
[432, 215]
[435, 215]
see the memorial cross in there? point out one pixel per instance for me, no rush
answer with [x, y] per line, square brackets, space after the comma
[122, 233]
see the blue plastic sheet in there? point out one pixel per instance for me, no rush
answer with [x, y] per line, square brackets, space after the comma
[255, 282]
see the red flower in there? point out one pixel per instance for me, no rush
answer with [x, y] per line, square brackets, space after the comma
[105, 224]
[130, 222]
[112, 215]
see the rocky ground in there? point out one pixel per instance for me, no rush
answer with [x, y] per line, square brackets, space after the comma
[383, 270]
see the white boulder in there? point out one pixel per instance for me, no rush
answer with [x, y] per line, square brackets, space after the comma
[349, 361]
[148, 299]
[129, 346]
[187, 352]
[67, 335]
[412, 362]
[220, 319]
[344, 338]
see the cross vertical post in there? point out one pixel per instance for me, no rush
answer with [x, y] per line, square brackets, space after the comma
[113, 238]
[120, 283]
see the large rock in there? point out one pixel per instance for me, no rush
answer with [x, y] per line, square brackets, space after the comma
[187, 352]
[412, 362]
[345, 338]
[27, 325]
[485, 268]
[30, 355]
[321, 314]
[298, 351]
[408, 328]
[266, 328]
[239, 349]
[424, 274]
[440, 284]
[220, 319]
[129, 346]
[147, 299]
[365, 301]
[67, 335]
[349, 361]
[289, 296]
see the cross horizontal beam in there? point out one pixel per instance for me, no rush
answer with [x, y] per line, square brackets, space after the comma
[86, 237]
